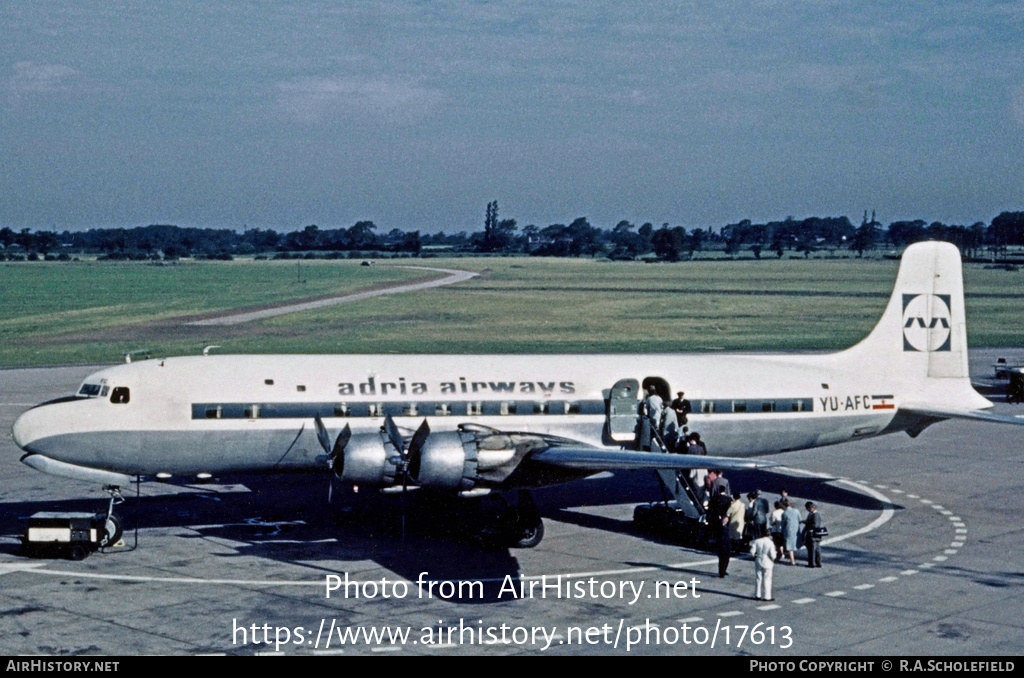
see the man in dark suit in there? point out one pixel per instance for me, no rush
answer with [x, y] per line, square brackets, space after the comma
[682, 407]
[757, 513]
[719, 522]
[812, 534]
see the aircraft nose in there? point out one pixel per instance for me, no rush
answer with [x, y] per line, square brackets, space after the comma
[28, 428]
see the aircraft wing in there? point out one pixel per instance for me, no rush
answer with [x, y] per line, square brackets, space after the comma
[599, 459]
[928, 410]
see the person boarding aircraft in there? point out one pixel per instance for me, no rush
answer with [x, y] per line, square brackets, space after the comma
[475, 424]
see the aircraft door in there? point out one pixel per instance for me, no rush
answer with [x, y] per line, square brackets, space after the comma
[623, 404]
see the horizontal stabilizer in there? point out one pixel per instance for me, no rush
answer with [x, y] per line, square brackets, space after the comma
[939, 412]
[601, 460]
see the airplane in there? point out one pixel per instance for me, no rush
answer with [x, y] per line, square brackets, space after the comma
[471, 425]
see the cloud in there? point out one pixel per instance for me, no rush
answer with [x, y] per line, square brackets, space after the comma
[314, 100]
[32, 79]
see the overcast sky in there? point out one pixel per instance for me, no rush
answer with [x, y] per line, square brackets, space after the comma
[415, 115]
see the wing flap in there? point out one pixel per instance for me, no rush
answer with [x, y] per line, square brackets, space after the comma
[602, 460]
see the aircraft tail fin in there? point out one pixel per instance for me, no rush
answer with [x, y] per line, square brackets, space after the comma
[922, 333]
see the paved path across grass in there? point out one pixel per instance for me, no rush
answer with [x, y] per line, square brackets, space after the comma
[454, 276]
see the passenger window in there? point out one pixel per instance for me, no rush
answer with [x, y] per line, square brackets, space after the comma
[252, 412]
[443, 409]
[475, 408]
[508, 408]
[120, 395]
[341, 410]
[409, 410]
[213, 412]
[799, 405]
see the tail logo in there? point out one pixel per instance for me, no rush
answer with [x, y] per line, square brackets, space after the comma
[926, 322]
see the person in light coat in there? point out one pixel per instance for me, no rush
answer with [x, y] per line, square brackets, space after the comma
[790, 527]
[670, 429]
[736, 514]
[653, 406]
[764, 552]
[650, 418]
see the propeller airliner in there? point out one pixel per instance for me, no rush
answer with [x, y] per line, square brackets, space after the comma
[470, 425]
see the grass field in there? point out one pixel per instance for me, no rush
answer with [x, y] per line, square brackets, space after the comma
[85, 312]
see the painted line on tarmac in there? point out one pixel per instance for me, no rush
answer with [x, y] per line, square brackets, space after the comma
[7, 568]
[888, 511]
[886, 515]
[959, 539]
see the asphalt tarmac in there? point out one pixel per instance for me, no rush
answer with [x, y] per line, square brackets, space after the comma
[923, 558]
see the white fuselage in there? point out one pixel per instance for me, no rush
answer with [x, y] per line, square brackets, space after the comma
[255, 413]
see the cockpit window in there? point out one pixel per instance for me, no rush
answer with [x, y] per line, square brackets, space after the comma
[89, 390]
[119, 395]
[93, 390]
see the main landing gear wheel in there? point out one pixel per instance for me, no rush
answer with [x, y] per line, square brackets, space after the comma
[516, 525]
[530, 536]
[526, 527]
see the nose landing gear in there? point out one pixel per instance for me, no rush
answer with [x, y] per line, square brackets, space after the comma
[74, 535]
[113, 528]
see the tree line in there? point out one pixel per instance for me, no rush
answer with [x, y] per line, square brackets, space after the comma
[624, 241]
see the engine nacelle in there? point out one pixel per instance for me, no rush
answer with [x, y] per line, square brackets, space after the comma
[365, 461]
[447, 460]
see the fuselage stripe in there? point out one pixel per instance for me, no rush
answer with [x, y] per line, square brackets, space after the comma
[360, 409]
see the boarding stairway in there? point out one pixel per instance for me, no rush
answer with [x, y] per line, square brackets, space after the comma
[675, 485]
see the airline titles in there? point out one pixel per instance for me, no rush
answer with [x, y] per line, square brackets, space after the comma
[376, 386]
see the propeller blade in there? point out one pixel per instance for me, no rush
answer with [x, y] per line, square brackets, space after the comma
[341, 442]
[405, 457]
[322, 435]
[418, 439]
[325, 442]
[337, 456]
[394, 435]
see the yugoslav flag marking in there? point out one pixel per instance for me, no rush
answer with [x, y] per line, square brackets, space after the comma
[882, 402]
